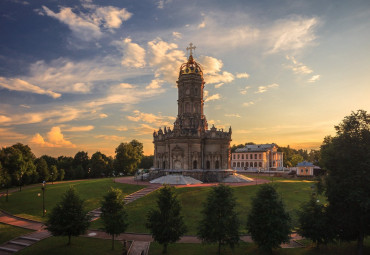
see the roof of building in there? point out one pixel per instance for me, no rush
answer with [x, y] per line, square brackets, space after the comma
[305, 163]
[256, 147]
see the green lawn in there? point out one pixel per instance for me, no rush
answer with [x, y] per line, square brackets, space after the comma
[249, 248]
[8, 232]
[28, 204]
[80, 245]
[293, 192]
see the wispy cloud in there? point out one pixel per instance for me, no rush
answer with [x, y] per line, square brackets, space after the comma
[89, 25]
[79, 129]
[133, 53]
[245, 90]
[298, 67]
[263, 89]
[158, 120]
[246, 104]
[242, 75]
[236, 115]
[314, 78]
[21, 85]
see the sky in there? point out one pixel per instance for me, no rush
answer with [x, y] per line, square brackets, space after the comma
[88, 75]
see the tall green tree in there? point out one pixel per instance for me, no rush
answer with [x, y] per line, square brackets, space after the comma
[128, 157]
[81, 159]
[61, 174]
[314, 222]
[5, 180]
[165, 223]
[66, 163]
[114, 215]
[268, 222]
[42, 169]
[146, 162]
[53, 173]
[98, 165]
[346, 157]
[220, 223]
[68, 217]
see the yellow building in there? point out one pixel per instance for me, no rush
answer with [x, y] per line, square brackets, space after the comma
[257, 157]
[305, 168]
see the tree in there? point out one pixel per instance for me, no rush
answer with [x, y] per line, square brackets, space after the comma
[146, 162]
[81, 159]
[314, 222]
[66, 163]
[295, 159]
[5, 180]
[42, 169]
[53, 173]
[114, 215]
[346, 157]
[220, 223]
[61, 174]
[98, 165]
[165, 223]
[268, 222]
[68, 217]
[128, 156]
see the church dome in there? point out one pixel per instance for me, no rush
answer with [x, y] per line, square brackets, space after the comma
[190, 67]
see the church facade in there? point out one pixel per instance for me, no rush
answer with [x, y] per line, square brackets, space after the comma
[190, 145]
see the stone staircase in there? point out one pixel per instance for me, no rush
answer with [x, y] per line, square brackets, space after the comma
[22, 242]
[141, 193]
[95, 214]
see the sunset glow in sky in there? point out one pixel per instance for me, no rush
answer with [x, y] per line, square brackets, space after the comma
[88, 75]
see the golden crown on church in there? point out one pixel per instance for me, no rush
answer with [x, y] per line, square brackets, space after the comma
[190, 67]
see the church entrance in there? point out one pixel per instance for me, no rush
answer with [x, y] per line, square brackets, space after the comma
[177, 164]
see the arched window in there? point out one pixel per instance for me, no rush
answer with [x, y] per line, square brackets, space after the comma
[217, 164]
[238, 156]
[251, 156]
[238, 164]
[208, 164]
[255, 164]
[234, 164]
[242, 165]
[164, 165]
[195, 164]
[260, 156]
[242, 156]
[260, 164]
[255, 156]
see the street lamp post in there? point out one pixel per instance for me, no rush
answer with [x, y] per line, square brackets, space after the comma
[43, 198]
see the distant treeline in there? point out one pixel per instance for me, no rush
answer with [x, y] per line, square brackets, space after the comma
[19, 166]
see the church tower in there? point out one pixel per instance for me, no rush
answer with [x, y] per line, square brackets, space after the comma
[190, 97]
[190, 145]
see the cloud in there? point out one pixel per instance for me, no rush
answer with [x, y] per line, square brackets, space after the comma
[177, 35]
[21, 85]
[158, 120]
[165, 58]
[212, 98]
[154, 84]
[79, 129]
[144, 129]
[55, 138]
[236, 115]
[245, 90]
[103, 115]
[4, 119]
[7, 134]
[210, 65]
[263, 89]
[314, 78]
[242, 75]
[88, 26]
[202, 25]
[57, 115]
[133, 54]
[246, 104]
[111, 137]
[224, 77]
[291, 34]
[297, 67]
[219, 85]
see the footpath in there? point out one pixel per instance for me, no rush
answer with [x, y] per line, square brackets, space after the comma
[140, 242]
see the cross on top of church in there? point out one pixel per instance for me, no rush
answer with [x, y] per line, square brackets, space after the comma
[191, 48]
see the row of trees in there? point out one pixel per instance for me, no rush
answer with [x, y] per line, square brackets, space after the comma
[19, 166]
[69, 217]
[268, 222]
